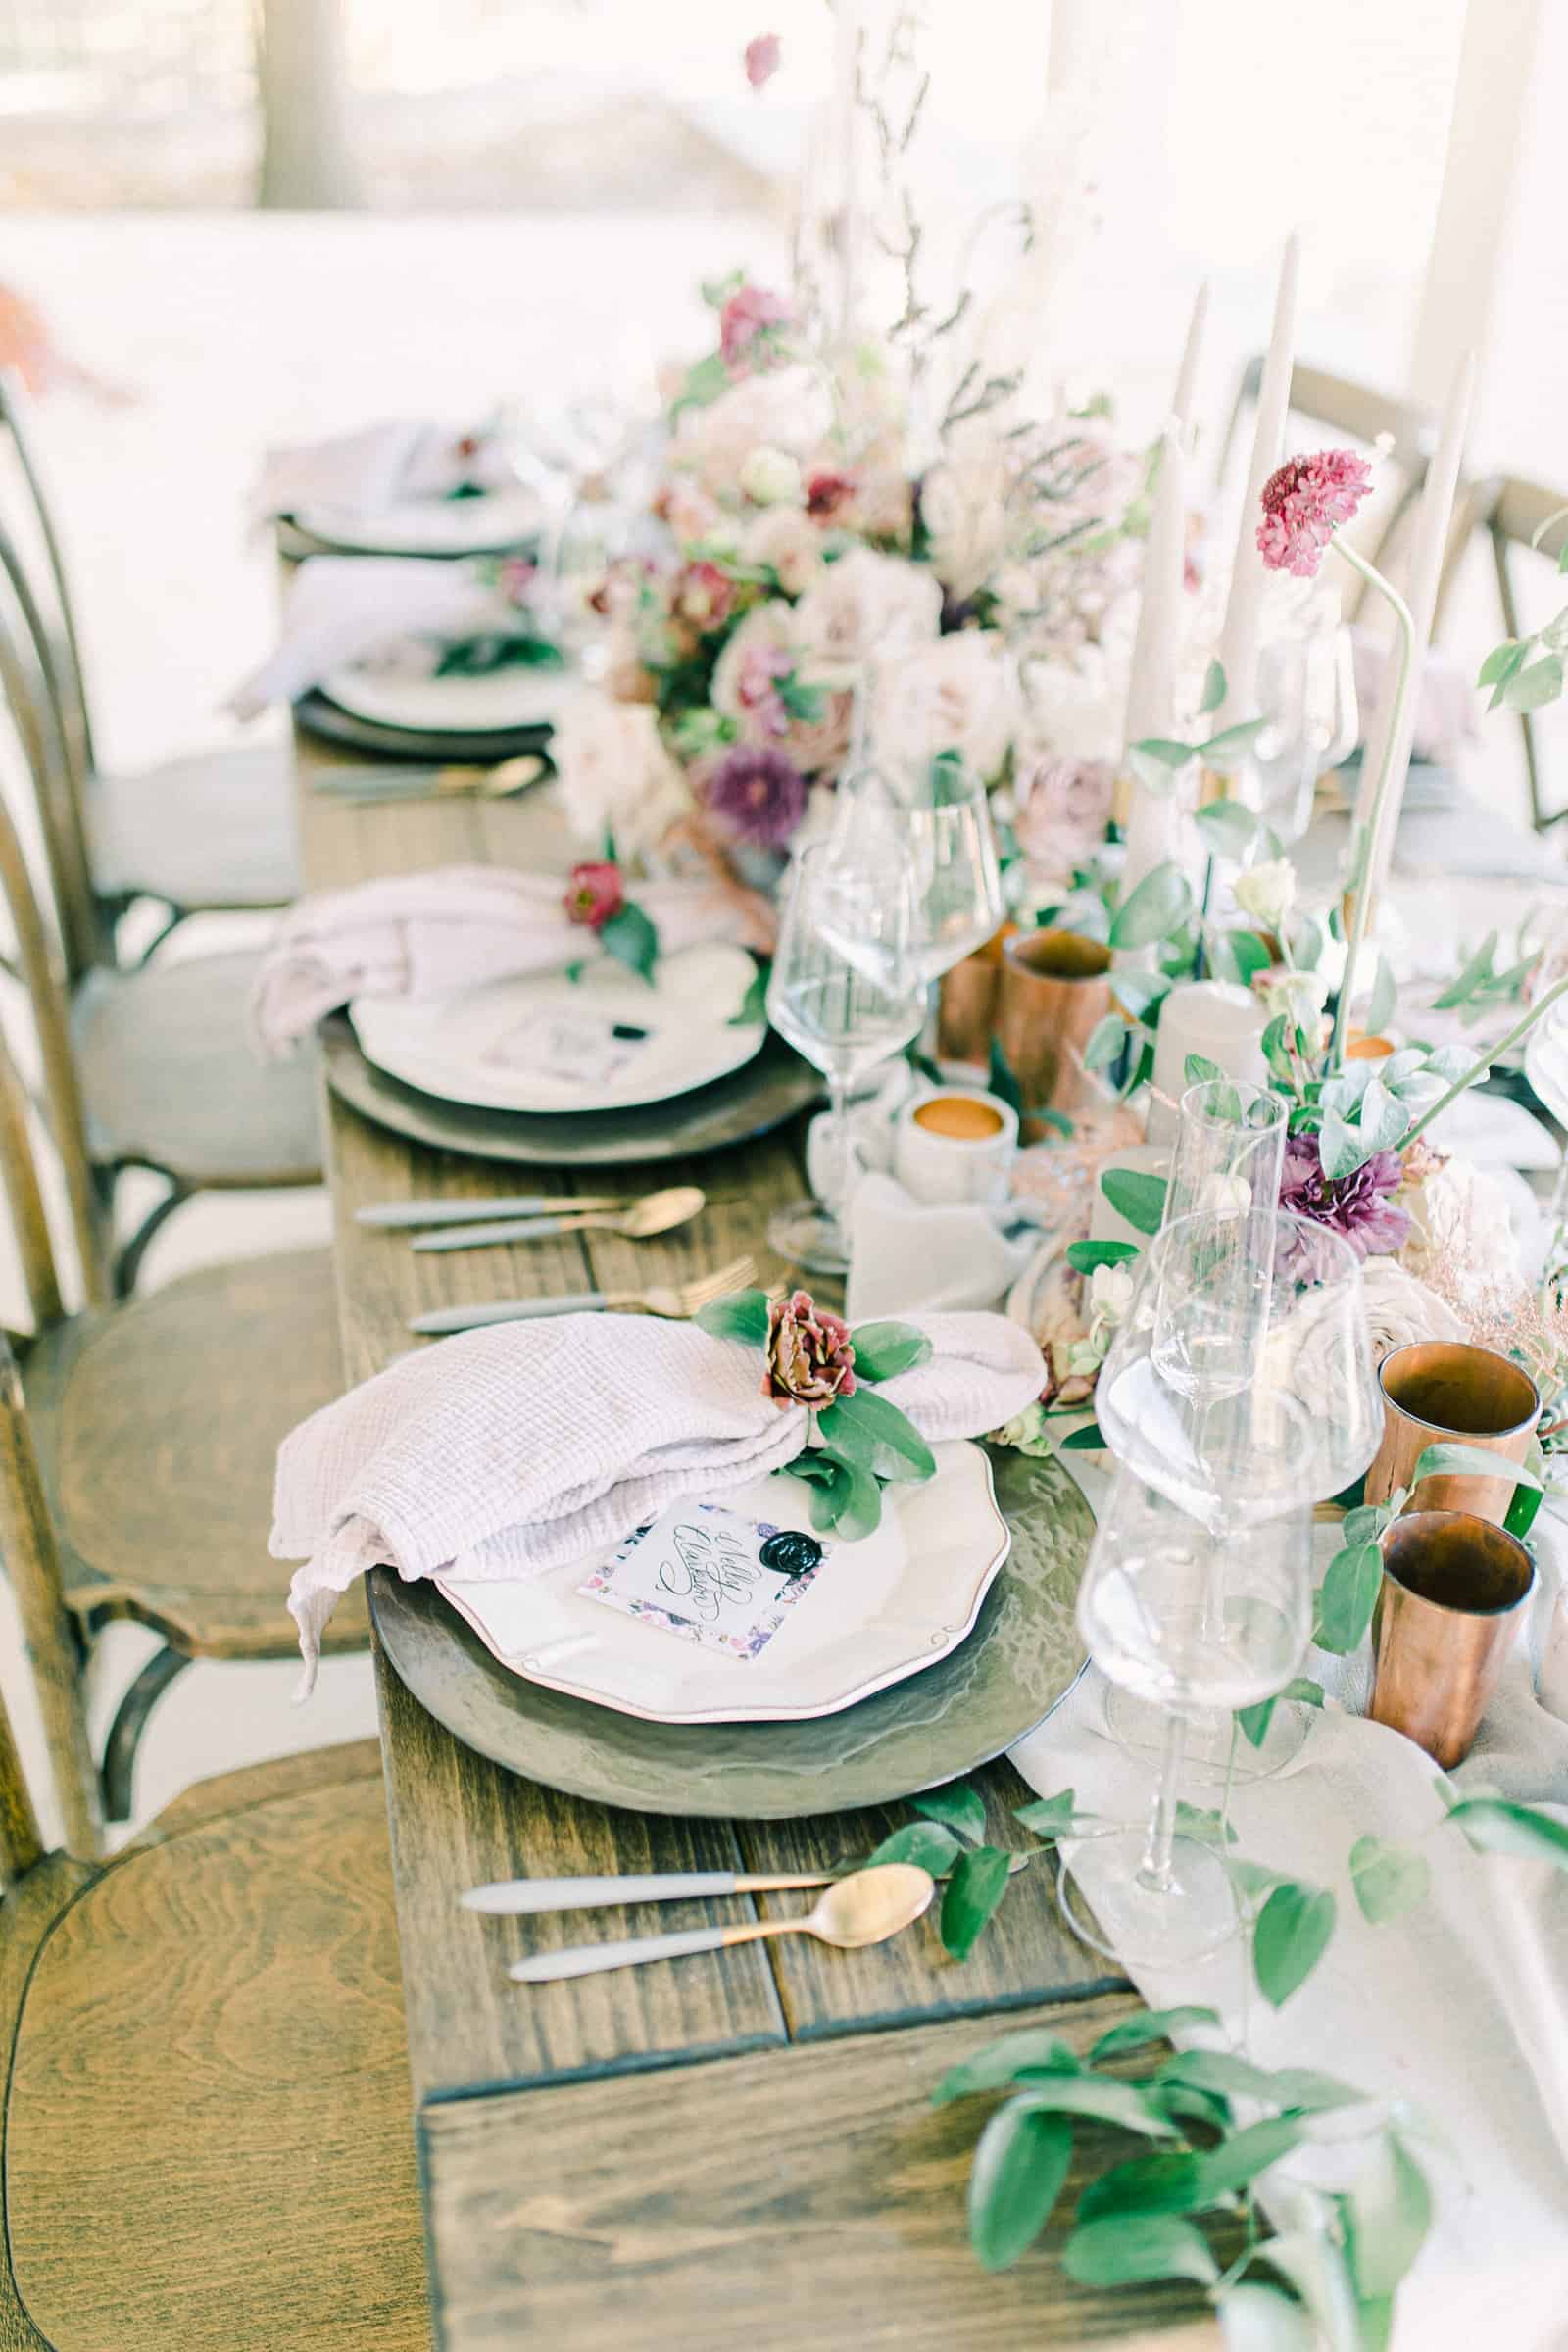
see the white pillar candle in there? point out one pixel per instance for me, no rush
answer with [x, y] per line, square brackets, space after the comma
[1213, 1017]
[1108, 1224]
[1244, 610]
[1429, 546]
[1153, 826]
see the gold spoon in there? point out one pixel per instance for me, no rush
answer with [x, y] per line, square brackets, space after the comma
[864, 1909]
[654, 1212]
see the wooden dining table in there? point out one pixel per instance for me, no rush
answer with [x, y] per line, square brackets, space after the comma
[736, 2148]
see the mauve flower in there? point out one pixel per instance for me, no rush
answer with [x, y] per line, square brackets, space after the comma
[1063, 808]
[1304, 502]
[760, 796]
[763, 55]
[811, 1359]
[748, 326]
[1357, 1206]
[761, 650]
[827, 493]
[593, 893]
[705, 596]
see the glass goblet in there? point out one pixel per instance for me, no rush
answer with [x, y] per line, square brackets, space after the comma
[846, 994]
[942, 813]
[1228, 1150]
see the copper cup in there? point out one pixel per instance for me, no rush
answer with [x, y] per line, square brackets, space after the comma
[1453, 1589]
[1055, 989]
[966, 1003]
[1445, 1391]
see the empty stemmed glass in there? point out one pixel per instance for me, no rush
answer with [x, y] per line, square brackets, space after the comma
[1183, 1616]
[846, 993]
[1229, 1151]
[940, 813]
[1307, 696]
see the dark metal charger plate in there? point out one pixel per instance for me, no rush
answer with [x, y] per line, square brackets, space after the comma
[318, 715]
[1020, 1661]
[752, 1101]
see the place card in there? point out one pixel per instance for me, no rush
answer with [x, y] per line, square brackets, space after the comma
[710, 1576]
[587, 1048]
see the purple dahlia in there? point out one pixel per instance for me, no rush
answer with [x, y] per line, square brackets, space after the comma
[1357, 1205]
[759, 794]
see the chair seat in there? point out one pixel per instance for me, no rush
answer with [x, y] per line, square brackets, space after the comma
[158, 1424]
[172, 1078]
[213, 830]
[208, 2135]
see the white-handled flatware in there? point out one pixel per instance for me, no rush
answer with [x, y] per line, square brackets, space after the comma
[676, 1299]
[654, 1213]
[393, 1216]
[855, 1912]
[520, 1895]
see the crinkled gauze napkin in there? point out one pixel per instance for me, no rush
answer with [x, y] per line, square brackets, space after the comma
[523, 1446]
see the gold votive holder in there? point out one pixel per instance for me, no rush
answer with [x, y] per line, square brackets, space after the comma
[1453, 1591]
[1446, 1392]
[1056, 988]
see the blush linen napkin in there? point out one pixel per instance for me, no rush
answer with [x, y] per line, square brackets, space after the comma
[1459, 2007]
[515, 1448]
[459, 926]
[339, 608]
[360, 471]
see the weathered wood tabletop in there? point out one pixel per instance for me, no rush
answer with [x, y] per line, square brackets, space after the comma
[732, 2148]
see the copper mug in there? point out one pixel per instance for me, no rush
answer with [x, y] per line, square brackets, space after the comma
[1454, 1588]
[1444, 1391]
[1056, 988]
[966, 1003]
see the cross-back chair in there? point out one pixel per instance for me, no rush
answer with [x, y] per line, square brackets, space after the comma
[157, 1420]
[205, 2136]
[1527, 521]
[169, 1077]
[210, 832]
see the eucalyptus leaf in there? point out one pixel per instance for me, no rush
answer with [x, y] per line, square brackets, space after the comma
[1160, 2183]
[1240, 2157]
[1227, 828]
[753, 1007]
[1454, 1460]
[1214, 693]
[1494, 1825]
[1121, 2250]
[1205, 1823]
[1089, 1440]
[1153, 908]
[1099, 2095]
[1033, 2048]
[1387, 1879]
[1476, 968]
[1000, 1080]
[1154, 774]
[883, 1349]
[900, 1451]
[1290, 1938]
[977, 1886]
[1540, 683]
[957, 1806]
[1020, 2164]
[1348, 1597]
[1165, 751]
[845, 1497]
[1154, 2024]
[1244, 954]
[1254, 1721]
[1390, 2214]
[632, 940]
[929, 1845]
[1135, 1196]
[1384, 998]
[1051, 1816]
[1342, 1147]
[1104, 1042]
[1200, 1071]
[1139, 994]
[1384, 1118]
[1502, 662]
[1085, 1256]
[739, 1315]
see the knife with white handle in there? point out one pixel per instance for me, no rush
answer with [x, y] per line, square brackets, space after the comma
[517, 1895]
[444, 1319]
[394, 1215]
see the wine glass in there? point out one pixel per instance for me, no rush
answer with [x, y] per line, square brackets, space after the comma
[1184, 1616]
[845, 992]
[1306, 698]
[1238, 1396]
[941, 811]
[1228, 1150]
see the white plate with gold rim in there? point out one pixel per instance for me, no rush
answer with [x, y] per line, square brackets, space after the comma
[877, 1611]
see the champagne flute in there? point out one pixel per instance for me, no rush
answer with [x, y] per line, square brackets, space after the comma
[846, 994]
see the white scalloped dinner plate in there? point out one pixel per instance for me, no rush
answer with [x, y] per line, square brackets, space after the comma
[464, 1048]
[875, 1614]
[452, 706]
[428, 526]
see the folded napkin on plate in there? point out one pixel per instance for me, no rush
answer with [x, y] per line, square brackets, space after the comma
[341, 607]
[422, 935]
[363, 470]
[905, 1255]
[520, 1446]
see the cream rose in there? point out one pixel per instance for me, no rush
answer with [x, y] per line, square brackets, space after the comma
[789, 547]
[615, 775]
[862, 604]
[1267, 892]
[786, 409]
[950, 696]
[770, 477]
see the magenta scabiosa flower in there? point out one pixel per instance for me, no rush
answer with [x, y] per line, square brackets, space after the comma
[1304, 502]
[1357, 1206]
[758, 794]
[750, 326]
[763, 55]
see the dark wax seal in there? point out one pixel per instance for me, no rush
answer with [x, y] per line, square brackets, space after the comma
[791, 1552]
[629, 1032]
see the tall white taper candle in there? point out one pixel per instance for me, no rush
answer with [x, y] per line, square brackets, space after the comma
[1429, 545]
[850, 128]
[1192, 359]
[1244, 610]
[1153, 826]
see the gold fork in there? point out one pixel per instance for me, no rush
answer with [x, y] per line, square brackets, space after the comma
[674, 1300]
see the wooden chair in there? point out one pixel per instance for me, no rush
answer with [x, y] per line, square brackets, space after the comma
[157, 1421]
[204, 2139]
[1526, 516]
[210, 832]
[168, 1076]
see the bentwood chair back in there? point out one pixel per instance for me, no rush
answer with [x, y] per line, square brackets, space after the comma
[210, 832]
[1528, 526]
[205, 2129]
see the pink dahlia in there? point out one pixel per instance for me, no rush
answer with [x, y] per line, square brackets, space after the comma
[763, 55]
[758, 795]
[749, 327]
[810, 1357]
[1357, 1206]
[1304, 502]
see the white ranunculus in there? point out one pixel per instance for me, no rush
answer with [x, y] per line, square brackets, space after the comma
[1267, 892]
[1460, 1227]
[1299, 996]
[963, 506]
[1400, 1309]
[790, 546]
[949, 696]
[785, 408]
[615, 774]
[770, 477]
[862, 604]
